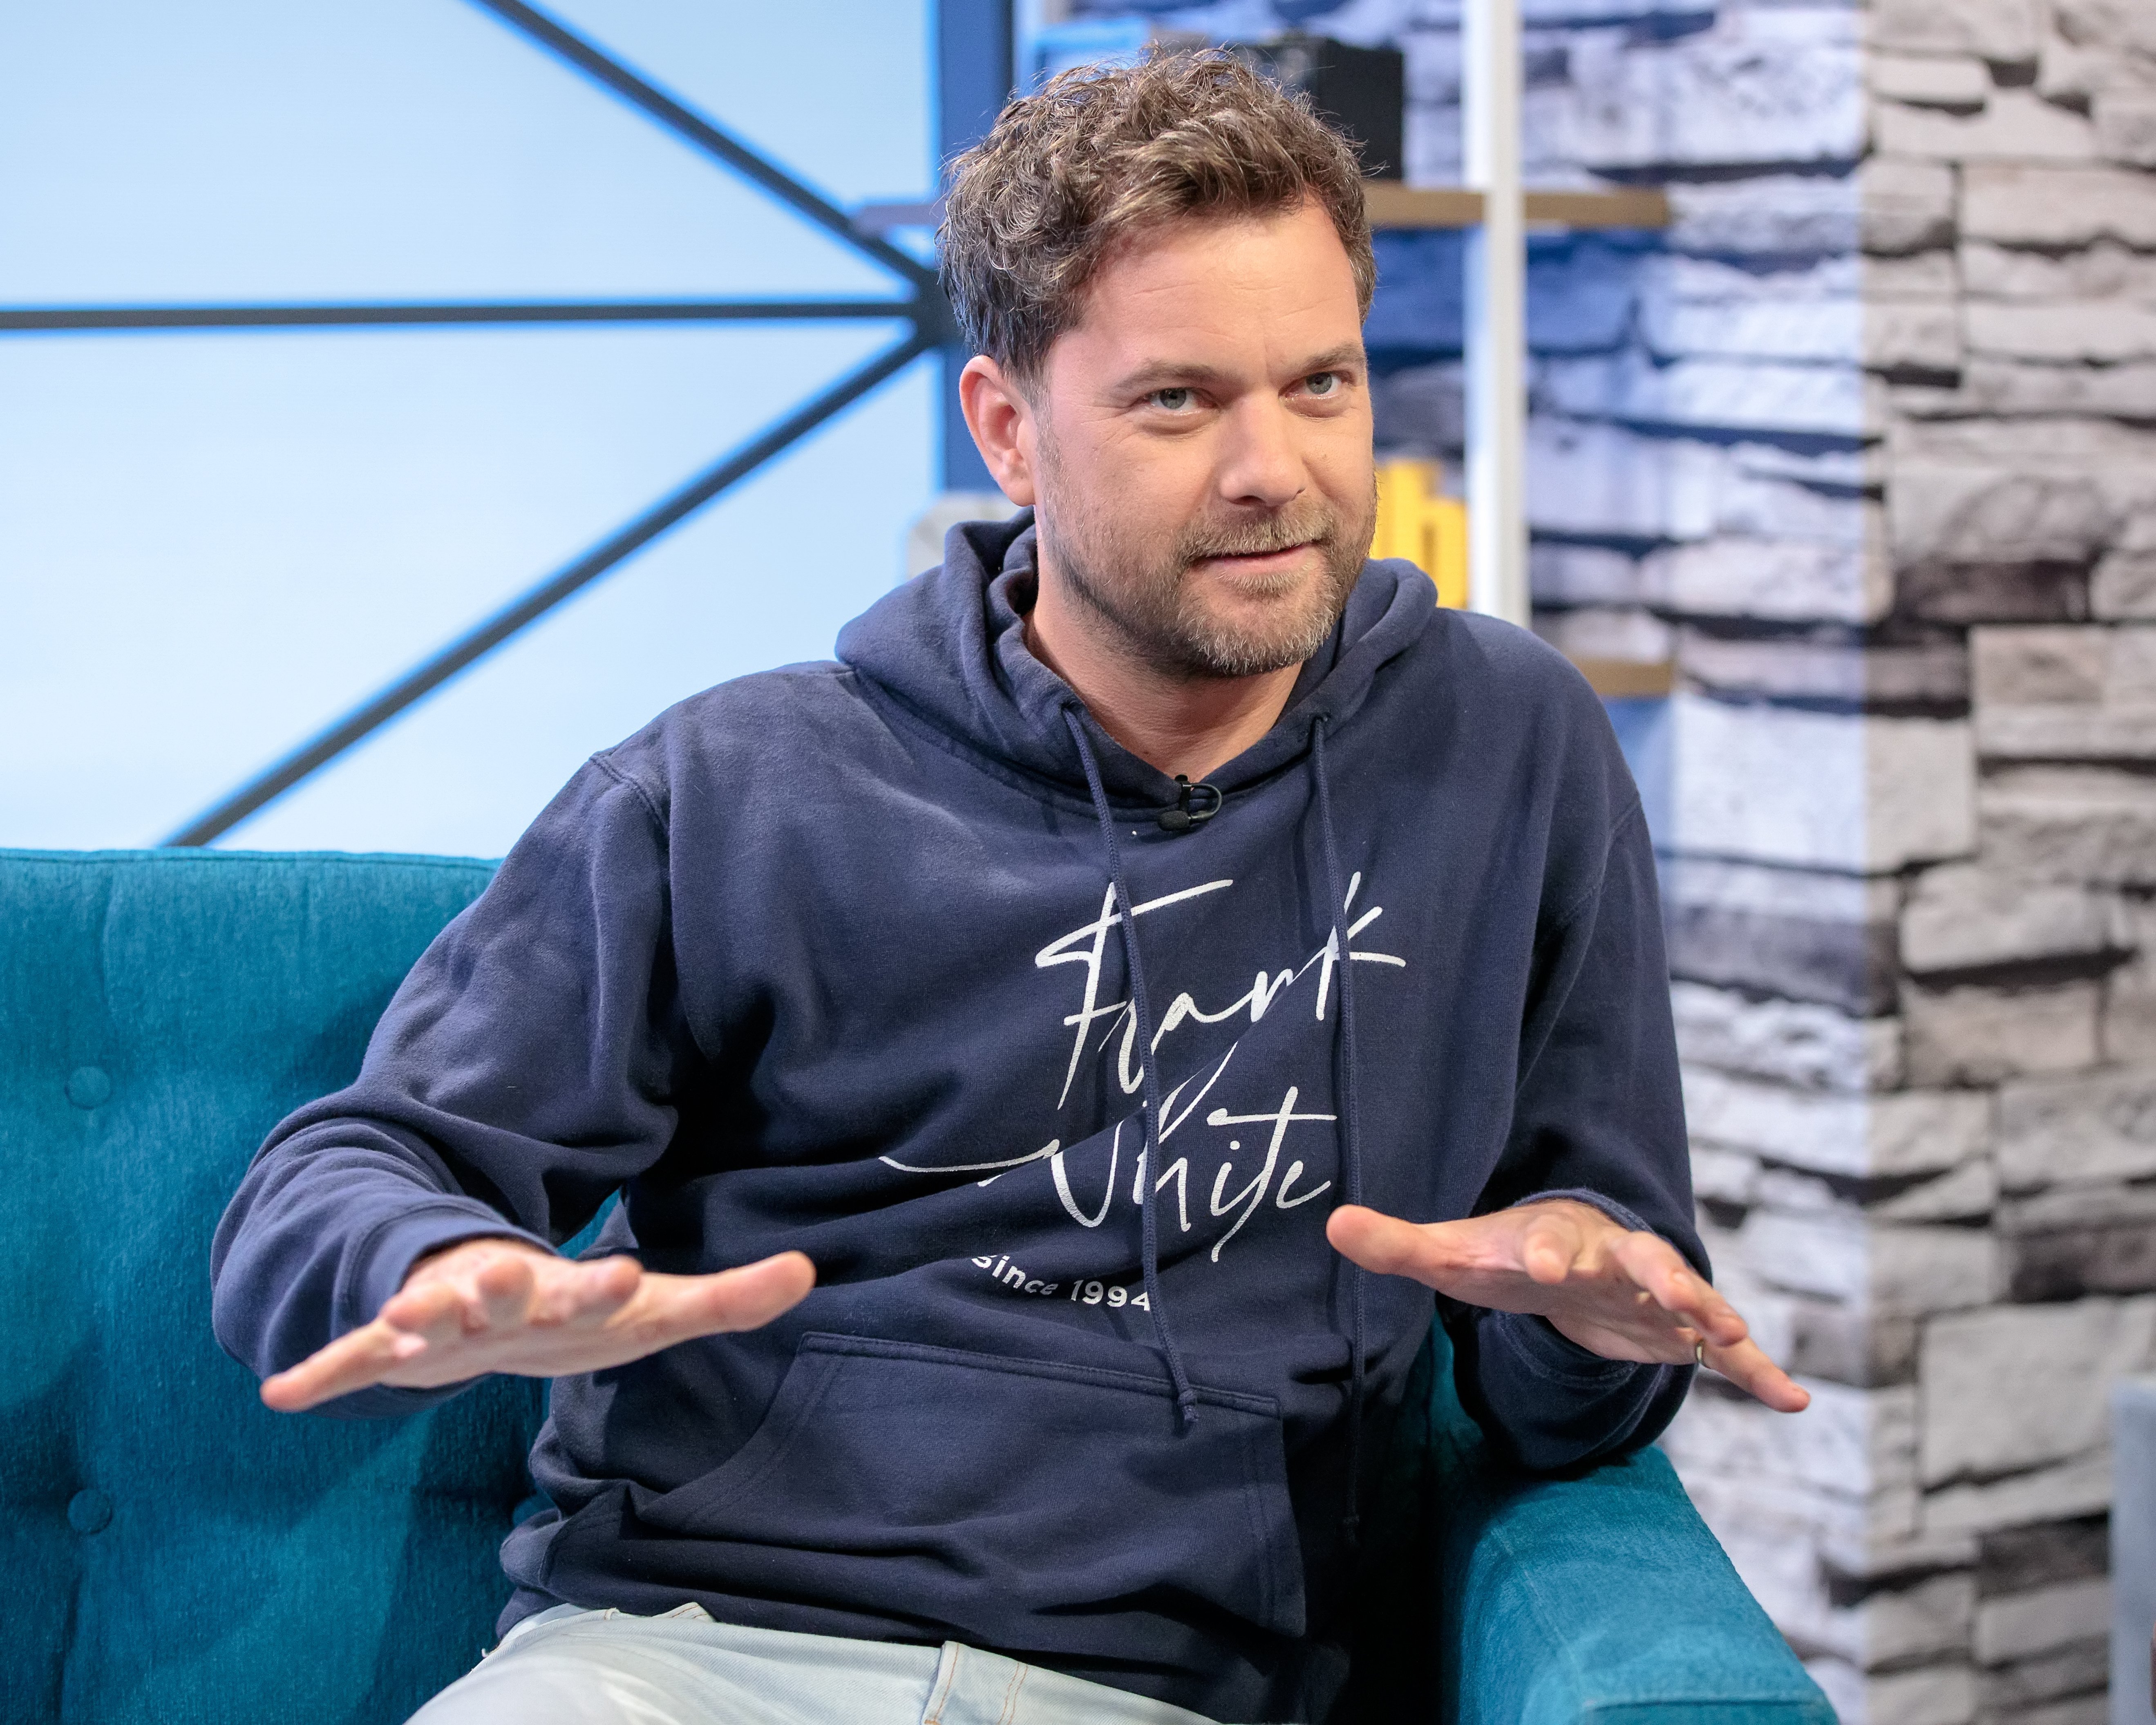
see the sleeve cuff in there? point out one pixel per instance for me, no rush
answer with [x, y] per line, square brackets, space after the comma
[1549, 1353]
[1609, 1207]
[387, 1257]
[1545, 1348]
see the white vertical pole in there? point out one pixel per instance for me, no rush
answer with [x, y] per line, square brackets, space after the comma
[1496, 313]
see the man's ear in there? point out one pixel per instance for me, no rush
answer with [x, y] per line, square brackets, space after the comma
[1001, 420]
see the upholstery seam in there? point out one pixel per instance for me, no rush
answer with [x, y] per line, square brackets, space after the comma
[193, 856]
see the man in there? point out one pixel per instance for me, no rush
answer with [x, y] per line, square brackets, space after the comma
[1156, 914]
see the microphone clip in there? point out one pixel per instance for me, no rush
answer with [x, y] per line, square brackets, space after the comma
[1194, 805]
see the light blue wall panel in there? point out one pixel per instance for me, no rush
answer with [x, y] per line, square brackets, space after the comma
[212, 544]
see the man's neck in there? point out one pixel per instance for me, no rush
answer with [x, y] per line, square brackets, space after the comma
[1180, 724]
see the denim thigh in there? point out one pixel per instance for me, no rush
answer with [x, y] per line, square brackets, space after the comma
[570, 1666]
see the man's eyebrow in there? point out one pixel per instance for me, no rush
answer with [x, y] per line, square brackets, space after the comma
[1175, 373]
[1166, 374]
[1333, 359]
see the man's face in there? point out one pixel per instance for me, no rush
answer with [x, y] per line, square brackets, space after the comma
[1204, 469]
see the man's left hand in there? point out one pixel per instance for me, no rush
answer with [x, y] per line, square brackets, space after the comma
[1617, 1292]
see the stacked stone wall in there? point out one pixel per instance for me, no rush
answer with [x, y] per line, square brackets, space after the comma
[1866, 442]
[1962, 1264]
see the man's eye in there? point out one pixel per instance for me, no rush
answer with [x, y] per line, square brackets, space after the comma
[1173, 400]
[1323, 383]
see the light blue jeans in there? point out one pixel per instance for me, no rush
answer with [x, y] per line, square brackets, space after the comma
[571, 1667]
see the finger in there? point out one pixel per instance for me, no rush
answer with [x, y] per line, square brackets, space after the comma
[516, 1294]
[1751, 1371]
[501, 1294]
[590, 1294]
[438, 1321]
[1550, 1245]
[676, 1308]
[434, 1307]
[354, 1361]
[501, 1288]
[1659, 1270]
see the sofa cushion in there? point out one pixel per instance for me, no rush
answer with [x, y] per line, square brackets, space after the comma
[175, 1551]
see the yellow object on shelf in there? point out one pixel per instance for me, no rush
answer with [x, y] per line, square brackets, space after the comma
[1417, 522]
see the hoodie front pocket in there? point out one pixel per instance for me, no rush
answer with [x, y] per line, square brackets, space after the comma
[1031, 1489]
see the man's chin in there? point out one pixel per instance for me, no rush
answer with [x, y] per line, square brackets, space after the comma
[1222, 618]
[1223, 643]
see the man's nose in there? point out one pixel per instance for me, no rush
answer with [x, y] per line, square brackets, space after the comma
[1261, 465]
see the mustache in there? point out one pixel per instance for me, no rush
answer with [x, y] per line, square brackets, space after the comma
[1252, 539]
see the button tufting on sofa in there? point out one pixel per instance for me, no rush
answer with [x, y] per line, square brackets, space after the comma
[89, 1510]
[175, 1550]
[89, 1086]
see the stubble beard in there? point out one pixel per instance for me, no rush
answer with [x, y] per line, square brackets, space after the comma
[1148, 603]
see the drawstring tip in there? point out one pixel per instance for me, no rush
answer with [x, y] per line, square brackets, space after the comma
[1186, 1404]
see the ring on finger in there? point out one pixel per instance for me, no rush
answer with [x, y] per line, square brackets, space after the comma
[1699, 1353]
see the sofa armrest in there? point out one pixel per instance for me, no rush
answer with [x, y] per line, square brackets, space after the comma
[1490, 1597]
[1594, 1599]
[1604, 1597]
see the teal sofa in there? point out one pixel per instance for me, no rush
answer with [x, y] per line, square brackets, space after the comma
[174, 1552]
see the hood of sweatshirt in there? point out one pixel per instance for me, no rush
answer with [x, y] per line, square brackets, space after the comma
[892, 960]
[951, 647]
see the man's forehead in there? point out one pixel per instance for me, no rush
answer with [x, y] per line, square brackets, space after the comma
[1242, 251]
[1201, 294]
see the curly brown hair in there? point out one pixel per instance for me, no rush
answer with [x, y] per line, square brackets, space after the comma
[1069, 174]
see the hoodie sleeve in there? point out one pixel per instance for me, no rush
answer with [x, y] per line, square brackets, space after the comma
[525, 1069]
[1599, 1117]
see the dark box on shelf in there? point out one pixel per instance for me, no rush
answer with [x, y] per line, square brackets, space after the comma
[1362, 90]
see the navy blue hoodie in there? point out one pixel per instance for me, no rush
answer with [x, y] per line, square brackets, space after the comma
[829, 957]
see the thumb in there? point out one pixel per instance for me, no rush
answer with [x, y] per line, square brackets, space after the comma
[743, 1299]
[1388, 1246]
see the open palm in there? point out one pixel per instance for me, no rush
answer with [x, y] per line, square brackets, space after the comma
[501, 1306]
[1616, 1292]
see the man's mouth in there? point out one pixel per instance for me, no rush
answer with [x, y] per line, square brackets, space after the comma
[1256, 563]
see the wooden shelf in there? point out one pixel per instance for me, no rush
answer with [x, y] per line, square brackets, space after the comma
[1394, 205]
[1627, 679]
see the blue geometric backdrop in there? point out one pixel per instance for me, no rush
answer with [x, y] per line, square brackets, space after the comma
[212, 543]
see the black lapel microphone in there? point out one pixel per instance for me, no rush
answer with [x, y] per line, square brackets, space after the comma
[1194, 804]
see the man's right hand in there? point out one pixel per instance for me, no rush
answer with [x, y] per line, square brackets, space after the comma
[502, 1305]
